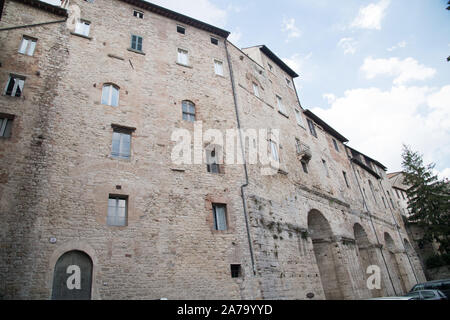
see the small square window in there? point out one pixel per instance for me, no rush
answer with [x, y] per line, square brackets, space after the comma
[214, 41]
[181, 29]
[14, 87]
[117, 210]
[138, 14]
[235, 270]
[27, 46]
[82, 28]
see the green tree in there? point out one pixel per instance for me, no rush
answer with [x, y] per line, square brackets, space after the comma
[429, 199]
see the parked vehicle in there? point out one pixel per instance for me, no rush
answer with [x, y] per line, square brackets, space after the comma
[427, 295]
[442, 285]
[394, 298]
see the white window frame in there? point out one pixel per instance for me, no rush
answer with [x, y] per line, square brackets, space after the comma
[218, 222]
[138, 14]
[280, 104]
[274, 150]
[114, 218]
[183, 56]
[110, 87]
[82, 27]
[218, 67]
[27, 45]
[255, 89]
[298, 116]
[5, 127]
[19, 82]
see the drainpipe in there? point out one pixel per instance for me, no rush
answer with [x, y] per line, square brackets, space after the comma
[244, 204]
[373, 227]
[399, 234]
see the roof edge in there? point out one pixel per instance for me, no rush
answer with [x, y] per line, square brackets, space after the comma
[178, 17]
[325, 126]
[45, 6]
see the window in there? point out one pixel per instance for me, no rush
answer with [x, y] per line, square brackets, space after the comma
[14, 87]
[188, 109]
[403, 194]
[396, 192]
[27, 45]
[335, 145]
[214, 41]
[280, 105]
[121, 143]
[235, 270]
[304, 166]
[345, 178]
[298, 116]
[288, 82]
[220, 216]
[311, 128]
[5, 125]
[373, 191]
[211, 160]
[181, 30]
[183, 57]
[218, 67]
[136, 43]
[82, 28]
[274, 150]
[117, 210]
[384, 202]
[298, 145]
[256, 89]
[390, 199]
[325, 167]
[270, 66]
[110, 95]
[138, 14]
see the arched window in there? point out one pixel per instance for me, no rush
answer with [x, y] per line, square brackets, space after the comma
[188, 110]
[110, 95]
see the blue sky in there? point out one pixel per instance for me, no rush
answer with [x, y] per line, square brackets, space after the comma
[375, 70]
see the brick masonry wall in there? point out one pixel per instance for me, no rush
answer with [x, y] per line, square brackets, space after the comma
[57, 172]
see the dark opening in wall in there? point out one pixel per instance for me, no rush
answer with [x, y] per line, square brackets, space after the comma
[235, 270]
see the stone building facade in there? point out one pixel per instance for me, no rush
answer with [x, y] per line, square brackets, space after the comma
[89, 188]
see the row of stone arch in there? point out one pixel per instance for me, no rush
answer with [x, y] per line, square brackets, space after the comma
[343, 263]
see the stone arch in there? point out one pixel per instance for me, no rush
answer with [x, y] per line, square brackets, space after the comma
[323, 242]
[392, 264]
[75, 245]
[72, 276]
[366, 256]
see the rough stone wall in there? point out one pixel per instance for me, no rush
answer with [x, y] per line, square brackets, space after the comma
[57, 171]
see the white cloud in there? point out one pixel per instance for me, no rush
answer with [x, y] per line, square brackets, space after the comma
[291, 29]
[348, 44]
[329, 97]
[235, 36]
[401, 44]
[370, 16]
[379, 122]
[296, 62]
[403, 70]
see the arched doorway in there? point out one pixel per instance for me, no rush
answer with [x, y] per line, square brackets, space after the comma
[323, 245]
[72, 277]
[393, 264]
[367, 257]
